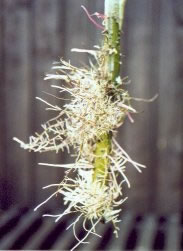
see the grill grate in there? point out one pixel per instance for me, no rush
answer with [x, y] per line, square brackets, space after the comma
[21, 228]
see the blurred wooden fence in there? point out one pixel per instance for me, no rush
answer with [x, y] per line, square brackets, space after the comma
[33, 34]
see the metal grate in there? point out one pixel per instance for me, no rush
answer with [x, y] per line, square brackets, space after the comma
[21, 228]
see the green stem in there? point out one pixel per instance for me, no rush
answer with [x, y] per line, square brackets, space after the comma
[101, 162]
[114, 12]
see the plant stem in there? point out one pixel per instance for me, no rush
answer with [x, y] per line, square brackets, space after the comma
[101, 162]
[114, 13]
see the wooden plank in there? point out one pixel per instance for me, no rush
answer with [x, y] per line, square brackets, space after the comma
[62, 241]
[160, 237]
[146, 233]
[125, 226]
[93, 239]
[153, 86]
[16, 78]
[76, 20]
[178, 6]
[173, 233]
[170, 119]
[67, 237]
[178, 10]
[3, 180]
[135, 138]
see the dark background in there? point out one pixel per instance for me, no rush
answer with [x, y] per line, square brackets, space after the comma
[33, 34]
